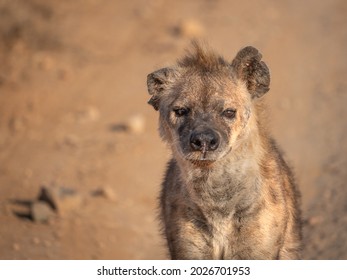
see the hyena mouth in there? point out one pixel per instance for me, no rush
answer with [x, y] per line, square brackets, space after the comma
[207, 158]
[204, 159]
[203, 163]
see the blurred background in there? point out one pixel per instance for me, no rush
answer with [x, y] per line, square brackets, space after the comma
[77, 135]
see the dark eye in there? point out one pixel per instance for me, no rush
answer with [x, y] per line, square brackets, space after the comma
[180, 112]
[229, 113]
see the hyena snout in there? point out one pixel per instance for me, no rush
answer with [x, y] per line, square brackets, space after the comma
[206, 140]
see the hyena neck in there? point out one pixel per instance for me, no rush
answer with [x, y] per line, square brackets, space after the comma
[230, 181]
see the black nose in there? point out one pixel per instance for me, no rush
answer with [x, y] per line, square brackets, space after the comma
[204, 141]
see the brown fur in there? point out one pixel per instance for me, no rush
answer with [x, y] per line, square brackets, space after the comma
[227, 193]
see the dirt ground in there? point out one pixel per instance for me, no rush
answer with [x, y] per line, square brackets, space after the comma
[73, 114]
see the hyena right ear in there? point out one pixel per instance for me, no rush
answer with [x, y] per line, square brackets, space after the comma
[157, 83]
[248, 67]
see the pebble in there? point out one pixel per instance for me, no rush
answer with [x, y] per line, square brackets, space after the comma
[45, 62]
[16, 124]
[41, 211]
[36, 240]
[64, 74]
[190, 28]
[136, 124]
[315, 220]
[60, 199]
[88, 114]
[106, 192]
[71, 140]
[16, 247]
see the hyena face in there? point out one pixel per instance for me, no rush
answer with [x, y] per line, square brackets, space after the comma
[205, 115]
[205, 103]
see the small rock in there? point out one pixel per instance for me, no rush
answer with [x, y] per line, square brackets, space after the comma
[107, 193]
[71, 140]
[315, 220]
[58, 235]
[16, 247]
[50, 195]
[16, 124]
[45, 62]
[118, 127]
[136, 124]
[64, 74]
[41, 212]
[89, 114]
[36, 240]
[190, 28]
[60, 199]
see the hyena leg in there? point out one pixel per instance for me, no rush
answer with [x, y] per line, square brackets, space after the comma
[186, 241]
[290, 251]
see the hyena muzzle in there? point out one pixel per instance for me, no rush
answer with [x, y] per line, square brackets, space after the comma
[227, 192]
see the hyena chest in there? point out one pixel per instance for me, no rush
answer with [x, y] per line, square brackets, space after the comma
[227, 240]
[220, 239]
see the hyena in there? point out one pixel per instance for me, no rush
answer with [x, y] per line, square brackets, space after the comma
[227, 192]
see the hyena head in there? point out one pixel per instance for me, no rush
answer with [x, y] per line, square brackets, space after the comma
[205, 102]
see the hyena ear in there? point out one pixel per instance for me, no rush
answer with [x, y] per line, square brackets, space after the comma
[248, 67]
[157, 83]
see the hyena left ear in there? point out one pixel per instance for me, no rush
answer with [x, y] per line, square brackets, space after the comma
[248, 67]
[157, 83]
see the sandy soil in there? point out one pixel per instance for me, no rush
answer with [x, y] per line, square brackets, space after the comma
[73, 76]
